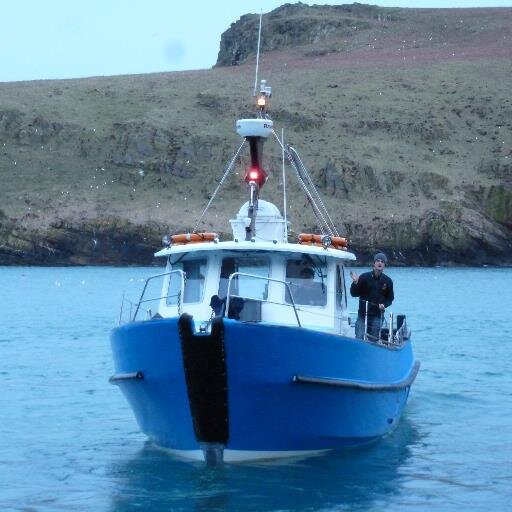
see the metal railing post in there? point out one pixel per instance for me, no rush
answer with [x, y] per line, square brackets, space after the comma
[181, 294]
[140, 300]
[366, 323]
[121, 312]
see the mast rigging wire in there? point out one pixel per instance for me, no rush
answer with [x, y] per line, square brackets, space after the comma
[314, 189]
[324, 225]
[221, 182]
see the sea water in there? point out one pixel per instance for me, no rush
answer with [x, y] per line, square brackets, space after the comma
[68, 440]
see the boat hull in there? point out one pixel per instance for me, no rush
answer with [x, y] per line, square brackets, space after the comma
[284, 391]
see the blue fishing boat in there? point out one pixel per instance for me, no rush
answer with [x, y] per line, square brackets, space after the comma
[247, 349]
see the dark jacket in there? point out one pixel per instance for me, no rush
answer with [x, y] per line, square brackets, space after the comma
[375, 290]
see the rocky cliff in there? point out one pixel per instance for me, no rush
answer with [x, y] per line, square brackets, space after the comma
[403, 117]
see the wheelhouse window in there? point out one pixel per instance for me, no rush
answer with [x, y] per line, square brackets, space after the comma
[308, 281]
[195, 272]
[245, 286]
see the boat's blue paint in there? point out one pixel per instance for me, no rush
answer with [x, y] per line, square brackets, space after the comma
[271, 412]
[267, 409]
[159, 400]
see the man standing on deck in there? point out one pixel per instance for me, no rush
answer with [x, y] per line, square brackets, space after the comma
[375, 291]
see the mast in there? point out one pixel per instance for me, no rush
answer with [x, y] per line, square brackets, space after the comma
[255, 132]
[257, 57]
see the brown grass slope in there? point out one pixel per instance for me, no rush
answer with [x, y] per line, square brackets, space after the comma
[403, 116]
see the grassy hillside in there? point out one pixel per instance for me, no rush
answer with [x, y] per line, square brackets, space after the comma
[410, 143]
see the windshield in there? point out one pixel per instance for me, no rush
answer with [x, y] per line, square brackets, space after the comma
[244, 286]
[195, 272]
[307, 278]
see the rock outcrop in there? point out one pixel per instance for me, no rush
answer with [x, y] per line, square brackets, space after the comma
[297, 25]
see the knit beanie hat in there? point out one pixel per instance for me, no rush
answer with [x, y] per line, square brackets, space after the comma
[380, 256]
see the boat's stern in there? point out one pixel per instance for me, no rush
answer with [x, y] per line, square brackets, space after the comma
[243, 391]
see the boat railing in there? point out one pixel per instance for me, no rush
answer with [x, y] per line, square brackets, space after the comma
[395, 335]
[135, 308]
[229, 295]
[393, 329]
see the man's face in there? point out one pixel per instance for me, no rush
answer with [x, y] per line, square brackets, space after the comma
[379, 264]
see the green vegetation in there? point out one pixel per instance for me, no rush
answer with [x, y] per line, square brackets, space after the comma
[390, 142]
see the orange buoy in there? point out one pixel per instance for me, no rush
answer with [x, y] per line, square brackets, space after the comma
[337, 242]
[193, 238]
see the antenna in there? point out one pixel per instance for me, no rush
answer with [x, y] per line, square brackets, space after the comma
[257, 57]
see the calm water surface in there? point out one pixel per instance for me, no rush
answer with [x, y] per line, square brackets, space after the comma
[68, 440]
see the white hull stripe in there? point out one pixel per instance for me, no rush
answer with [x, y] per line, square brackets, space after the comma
[243, 455]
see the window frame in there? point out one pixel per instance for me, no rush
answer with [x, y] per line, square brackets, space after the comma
[183, 260]
[223, 281]
[307, 262]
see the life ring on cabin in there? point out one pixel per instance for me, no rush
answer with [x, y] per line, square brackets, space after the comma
[336, 242]
[193, 238]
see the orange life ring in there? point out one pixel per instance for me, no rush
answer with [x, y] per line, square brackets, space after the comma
[193, 238]
[337, 242]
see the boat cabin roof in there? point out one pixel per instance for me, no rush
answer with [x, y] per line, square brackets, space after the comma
[234, 245]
